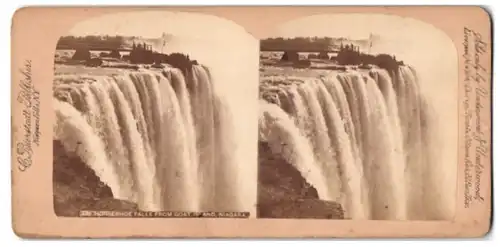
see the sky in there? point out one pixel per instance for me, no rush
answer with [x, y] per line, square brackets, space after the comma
[204, 37]
[152, 24]
[352, 26]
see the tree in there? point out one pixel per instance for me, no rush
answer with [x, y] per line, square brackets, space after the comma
[324, 55]
[290, 56]
[81, 54]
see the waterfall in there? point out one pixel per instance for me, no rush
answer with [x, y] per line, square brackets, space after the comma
[360, 138]
[279, 130]
[160, 139]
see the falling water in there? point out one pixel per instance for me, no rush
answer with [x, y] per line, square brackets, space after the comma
[360, 139]
[160, 139]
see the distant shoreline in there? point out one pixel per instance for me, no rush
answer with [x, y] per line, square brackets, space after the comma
[96, 48]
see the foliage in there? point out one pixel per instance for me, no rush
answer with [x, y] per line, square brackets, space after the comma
[349, 55]
[178, 60]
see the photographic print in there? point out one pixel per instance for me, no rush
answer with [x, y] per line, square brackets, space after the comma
[148, 117]
[355, 118]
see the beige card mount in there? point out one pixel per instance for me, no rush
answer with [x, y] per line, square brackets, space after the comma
[251, 122]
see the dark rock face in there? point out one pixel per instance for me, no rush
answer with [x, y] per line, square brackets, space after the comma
[283, 193]
[76, 187]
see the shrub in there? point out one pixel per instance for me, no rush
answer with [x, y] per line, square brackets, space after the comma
[94, 62]
[384, 61]
[176, 60]
[302, 63]
[312, 56]
[180, 61]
